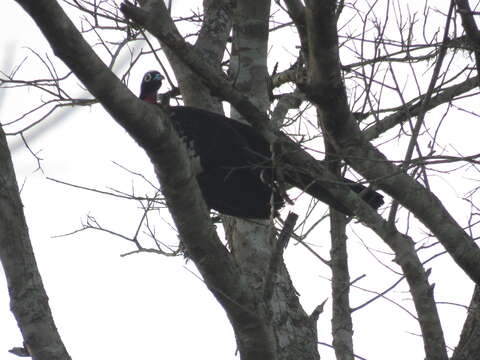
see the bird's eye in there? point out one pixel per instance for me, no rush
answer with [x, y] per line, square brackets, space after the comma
[147, 77]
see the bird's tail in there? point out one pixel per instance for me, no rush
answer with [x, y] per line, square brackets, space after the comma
[317, 190]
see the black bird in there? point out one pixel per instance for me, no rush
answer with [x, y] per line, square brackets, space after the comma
[230, 160]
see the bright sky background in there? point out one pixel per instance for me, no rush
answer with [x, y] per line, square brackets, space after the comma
[146, 306]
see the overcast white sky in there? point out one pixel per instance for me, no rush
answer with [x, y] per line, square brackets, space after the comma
[146, 306]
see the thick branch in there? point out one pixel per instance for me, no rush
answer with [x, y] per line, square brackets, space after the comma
[469, 346]
[28, 299]
[342, 327]
[216, 26]
[326, 89]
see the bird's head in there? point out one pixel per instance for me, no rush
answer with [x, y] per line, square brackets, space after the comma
[152, 81]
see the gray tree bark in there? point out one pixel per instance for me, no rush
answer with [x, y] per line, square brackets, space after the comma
[468, 347]
[28, 298]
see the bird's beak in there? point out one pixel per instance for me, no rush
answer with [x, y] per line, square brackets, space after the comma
[158, 77]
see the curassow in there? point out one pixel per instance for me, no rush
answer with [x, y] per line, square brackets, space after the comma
[230, 161]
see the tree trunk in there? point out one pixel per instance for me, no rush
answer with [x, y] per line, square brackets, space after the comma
[28, 299]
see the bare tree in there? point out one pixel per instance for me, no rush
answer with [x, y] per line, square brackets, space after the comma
[375, 85]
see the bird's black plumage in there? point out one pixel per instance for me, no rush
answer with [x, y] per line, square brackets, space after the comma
[229, 158]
